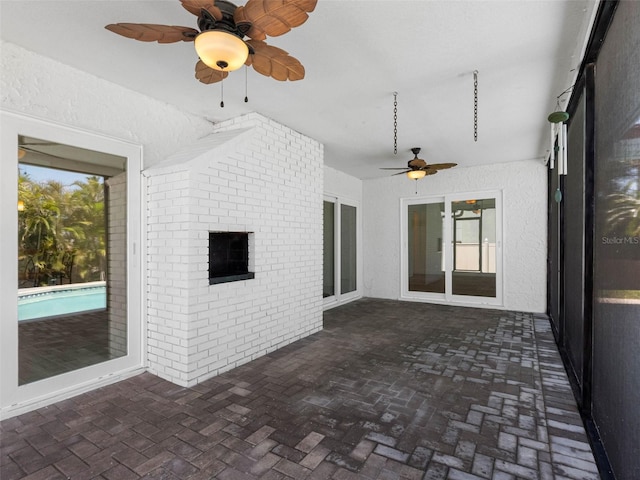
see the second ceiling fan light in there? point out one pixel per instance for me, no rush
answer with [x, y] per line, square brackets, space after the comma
[416, 174]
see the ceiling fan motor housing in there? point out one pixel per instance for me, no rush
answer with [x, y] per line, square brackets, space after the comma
[206, 21]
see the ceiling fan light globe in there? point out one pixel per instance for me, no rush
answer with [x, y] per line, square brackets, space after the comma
[221, 50]
[416, 174]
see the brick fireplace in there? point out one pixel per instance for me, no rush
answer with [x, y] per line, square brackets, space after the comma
[251, 175]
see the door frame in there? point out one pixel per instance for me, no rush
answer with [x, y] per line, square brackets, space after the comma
[16, 399]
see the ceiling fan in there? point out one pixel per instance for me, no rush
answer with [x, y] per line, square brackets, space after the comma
[223, 26]
[417, 168]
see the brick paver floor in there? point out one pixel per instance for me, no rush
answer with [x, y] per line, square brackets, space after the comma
[387, 390]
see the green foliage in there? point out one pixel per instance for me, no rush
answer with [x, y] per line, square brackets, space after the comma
[61, 232]
[623, 214]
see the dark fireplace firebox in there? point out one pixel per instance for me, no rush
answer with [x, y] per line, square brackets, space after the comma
[229, 257]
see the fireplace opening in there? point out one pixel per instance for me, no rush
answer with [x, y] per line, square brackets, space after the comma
[229, 257]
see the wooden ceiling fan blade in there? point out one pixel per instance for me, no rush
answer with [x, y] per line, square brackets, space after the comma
[442, 166]
[393, 168]
[273, 17]
[148, 32]
[209, 75]
[287, 68]
[195, 7]
[401, 173]
[274, 62]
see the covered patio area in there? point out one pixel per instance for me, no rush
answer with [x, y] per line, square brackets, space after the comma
[387, 390]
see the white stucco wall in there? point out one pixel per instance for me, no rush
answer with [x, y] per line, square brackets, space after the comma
[523, 185]
[339, 184]
[44, 88]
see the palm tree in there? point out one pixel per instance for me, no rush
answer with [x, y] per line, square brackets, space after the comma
[59, 229]
[38, 226]
[87, 222]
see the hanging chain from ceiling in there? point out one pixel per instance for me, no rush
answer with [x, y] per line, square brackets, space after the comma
[395, 123]
[475, 105]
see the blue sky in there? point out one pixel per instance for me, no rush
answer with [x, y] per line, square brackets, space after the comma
[43, 174]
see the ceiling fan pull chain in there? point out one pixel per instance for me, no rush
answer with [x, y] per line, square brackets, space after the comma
[475, 105]
[246, 83]
[222, 93]
[395, 123]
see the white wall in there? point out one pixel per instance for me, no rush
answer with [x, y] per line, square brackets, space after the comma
[267, 179]
[524, 186]
[341, 185]
[41, 87]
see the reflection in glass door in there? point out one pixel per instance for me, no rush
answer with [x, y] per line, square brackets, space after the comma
[71, 259]
[474, 252]
[426, 256]
[329, 268]
[452, 249]
[348, 249]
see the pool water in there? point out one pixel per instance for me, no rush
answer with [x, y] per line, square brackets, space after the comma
[53, 303]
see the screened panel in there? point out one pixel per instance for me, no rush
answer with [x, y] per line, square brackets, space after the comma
[574, 268]
[554, 251]
[616, 356]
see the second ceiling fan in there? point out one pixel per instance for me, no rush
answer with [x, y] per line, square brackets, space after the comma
[220, 41]
[417, 168]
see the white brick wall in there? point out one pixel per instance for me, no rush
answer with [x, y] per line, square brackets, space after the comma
[263, 178]
[117, 271]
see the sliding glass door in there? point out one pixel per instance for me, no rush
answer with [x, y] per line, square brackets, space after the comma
[451, 248]
[341, 251]
[70, 289]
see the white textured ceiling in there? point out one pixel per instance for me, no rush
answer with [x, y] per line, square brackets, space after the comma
[356, 54]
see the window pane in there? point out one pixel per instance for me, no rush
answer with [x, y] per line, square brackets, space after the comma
[71, 262]
[474, 255]
[426, 259]
[328, 289]
[347, 249]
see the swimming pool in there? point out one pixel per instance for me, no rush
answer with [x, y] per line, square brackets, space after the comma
[58, 300]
